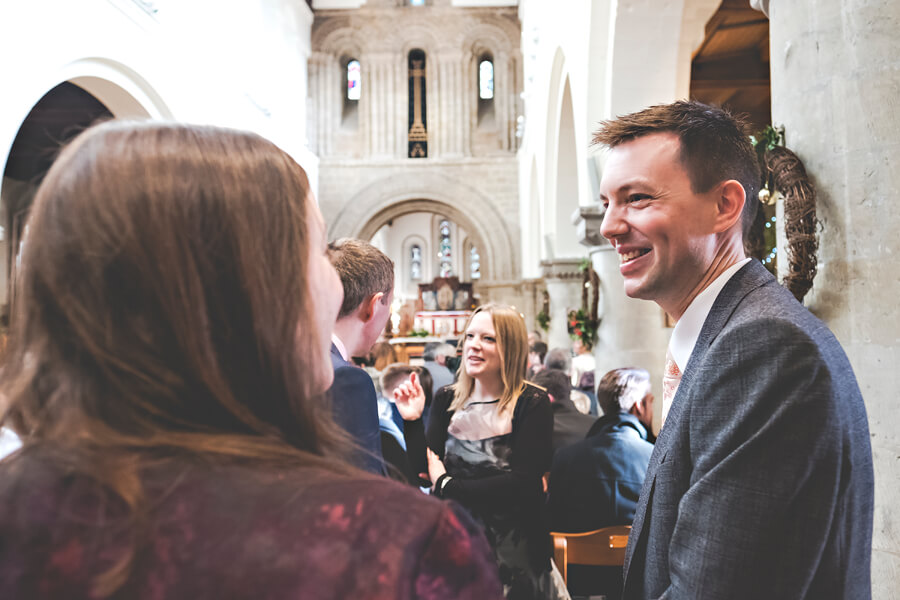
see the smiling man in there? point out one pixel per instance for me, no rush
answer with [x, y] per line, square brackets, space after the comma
[761, 482]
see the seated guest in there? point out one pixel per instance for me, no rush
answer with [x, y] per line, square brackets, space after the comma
[396, 438]
[583, 362]
[380, 356]
[166, 369]
[560, 359]
[596, 482]
[367, 276]
[569, 425]
[435, 356]
[536, 353]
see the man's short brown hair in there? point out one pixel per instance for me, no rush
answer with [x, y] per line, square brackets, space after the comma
[715, 146]
[364, 271]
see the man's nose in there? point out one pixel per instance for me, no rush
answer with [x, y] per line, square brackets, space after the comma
[612, 224]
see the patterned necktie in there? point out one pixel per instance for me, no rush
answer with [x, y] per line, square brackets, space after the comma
[671, 379]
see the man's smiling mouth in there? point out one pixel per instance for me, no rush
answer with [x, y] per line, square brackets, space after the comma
[629, 256]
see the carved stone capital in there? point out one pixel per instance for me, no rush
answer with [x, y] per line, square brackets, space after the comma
[587, 221]
[564, 268]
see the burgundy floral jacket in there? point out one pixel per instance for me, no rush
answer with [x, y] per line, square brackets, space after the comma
[237, 532]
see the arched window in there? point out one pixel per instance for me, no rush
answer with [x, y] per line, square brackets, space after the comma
[354, 80]
[418, 136]
[352, 89]
[415, 262]
[486, 91]
[445, 254]
[474, 263]
[486, 79]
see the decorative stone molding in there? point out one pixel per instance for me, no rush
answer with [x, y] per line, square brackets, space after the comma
[587, 223]
[561, 269]
[760, 5]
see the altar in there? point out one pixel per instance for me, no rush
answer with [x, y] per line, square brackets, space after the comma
[444, 307]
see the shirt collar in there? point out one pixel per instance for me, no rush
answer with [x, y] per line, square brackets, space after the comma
[687, 330]
[340, 346]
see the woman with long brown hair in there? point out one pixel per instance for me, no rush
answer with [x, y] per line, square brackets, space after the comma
[168, 355]
[489, 445]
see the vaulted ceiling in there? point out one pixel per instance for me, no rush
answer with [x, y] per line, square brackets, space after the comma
[731, 66]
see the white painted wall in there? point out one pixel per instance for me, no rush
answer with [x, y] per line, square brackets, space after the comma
[237, 64]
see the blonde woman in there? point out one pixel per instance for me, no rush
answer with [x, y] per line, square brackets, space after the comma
[489, 443]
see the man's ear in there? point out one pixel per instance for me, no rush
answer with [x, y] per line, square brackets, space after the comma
[730, 201]
[367, 308]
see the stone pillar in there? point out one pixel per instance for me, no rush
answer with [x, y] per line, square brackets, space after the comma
[835, 76]
[632, 333]
[563, 281]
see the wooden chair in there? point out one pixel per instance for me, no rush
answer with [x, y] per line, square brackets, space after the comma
[603, 547]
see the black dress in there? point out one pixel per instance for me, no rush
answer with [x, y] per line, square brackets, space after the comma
[496, 462]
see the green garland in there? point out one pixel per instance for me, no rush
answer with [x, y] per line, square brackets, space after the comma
[584, 322]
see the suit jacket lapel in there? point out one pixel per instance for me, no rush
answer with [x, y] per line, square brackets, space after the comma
[749, 277]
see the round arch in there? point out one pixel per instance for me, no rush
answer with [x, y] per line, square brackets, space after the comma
[392, 197]
[431, 206]
[125, 92]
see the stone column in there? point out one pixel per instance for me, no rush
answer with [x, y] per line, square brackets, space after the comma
[563, 281]
[835, 80]
[632, 332]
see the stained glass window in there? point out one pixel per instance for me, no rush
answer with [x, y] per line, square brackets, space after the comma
[354, 80]
[474, 263]
[445, 254]
[486, 80]
[415, 262]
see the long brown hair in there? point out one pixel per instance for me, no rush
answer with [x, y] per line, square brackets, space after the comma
[512, 347]
[163, 288]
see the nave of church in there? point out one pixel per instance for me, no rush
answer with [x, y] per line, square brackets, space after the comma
[455, 136]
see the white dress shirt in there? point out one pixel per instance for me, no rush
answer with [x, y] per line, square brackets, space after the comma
[342, 349]
[687, 330]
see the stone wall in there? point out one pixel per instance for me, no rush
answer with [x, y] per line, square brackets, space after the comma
[835, 88]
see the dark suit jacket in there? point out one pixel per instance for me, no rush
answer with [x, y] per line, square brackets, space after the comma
[597, 481]
[355, 408]
[569, 425]
[760, 484]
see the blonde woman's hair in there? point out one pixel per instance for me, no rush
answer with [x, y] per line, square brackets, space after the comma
[512, 347]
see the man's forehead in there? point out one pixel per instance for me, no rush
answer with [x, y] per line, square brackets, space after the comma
[635, 163]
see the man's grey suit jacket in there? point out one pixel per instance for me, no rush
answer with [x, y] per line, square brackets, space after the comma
[761, 481]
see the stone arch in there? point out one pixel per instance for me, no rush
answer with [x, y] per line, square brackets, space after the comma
[392, 197]
[125, 92]
[642, 75]
[486, 37]
[337, 36]
[561, 197]
[533, 240]
[103, 87]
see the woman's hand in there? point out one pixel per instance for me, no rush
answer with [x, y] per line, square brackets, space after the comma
[435, 466]
[409, 397]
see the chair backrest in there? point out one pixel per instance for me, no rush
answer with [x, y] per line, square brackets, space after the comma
[603, 547]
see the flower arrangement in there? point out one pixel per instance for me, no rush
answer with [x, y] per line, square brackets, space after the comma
[543, 317]
[584, 322]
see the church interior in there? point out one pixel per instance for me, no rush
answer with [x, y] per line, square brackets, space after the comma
[455, 136]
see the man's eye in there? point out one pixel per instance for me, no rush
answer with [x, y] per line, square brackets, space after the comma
[638, 197]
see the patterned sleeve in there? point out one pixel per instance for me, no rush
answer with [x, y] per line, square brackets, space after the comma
[456, 562]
